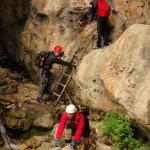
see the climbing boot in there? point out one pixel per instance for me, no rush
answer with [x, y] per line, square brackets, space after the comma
[98, 44]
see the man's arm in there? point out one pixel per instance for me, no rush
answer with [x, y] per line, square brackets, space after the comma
[80, 128]
[61, 62]
[61, 126]
[93, 9]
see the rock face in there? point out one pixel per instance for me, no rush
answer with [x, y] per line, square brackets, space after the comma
[119, 73]
[35, 141]
[14, 88]
[44, 146]
[45, 121]
[92, 88]
[30, 116]
[11, 26]
[65, 148]
[51, 23]
[124, 69]
[102, 147]
[36, 25]
[129, 12]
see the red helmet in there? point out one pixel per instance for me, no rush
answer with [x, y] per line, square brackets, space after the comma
[58, 49]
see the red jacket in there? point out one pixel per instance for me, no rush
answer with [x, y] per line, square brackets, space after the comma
[78, 123]
[103, 8]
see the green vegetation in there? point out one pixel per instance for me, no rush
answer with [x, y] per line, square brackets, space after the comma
[118, 128]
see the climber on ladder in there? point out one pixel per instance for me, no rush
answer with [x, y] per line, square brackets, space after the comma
[44, 61]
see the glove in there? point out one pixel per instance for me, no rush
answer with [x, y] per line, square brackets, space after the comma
[73, 144]
[57, 143]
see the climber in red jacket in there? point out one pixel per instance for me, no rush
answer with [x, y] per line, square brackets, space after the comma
[79, 124]
[101, 11]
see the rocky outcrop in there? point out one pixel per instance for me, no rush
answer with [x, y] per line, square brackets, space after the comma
[28, 116]
[51, 23]
[122, 71]
[21, 115]
[11, 27]
[45, 121]
[92, 89]
[14, 88]
[129, 12]
[56, 22]
[102, 147]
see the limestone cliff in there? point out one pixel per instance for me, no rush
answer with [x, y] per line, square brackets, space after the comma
[12, 20]
[122, 71]
[53, 22]
[117, 73]
[50, 22]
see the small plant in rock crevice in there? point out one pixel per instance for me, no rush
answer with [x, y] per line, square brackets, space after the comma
[116, 126]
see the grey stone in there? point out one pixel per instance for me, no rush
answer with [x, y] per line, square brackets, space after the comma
[45, 121]
[8, 89]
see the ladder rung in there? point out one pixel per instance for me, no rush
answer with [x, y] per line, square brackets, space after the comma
[56, 94]
[75, 56]
[66, 74]
[61, 84]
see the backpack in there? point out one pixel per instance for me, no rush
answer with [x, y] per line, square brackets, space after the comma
[103, 8]
[41, 58]
[85, 110]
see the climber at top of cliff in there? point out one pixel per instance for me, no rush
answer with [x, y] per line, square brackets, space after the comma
[101, 11]
[45, 61]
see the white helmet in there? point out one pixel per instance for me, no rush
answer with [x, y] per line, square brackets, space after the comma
[71, 109]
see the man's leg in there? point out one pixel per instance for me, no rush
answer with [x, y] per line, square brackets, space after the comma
[42, 86]
[49, 84]
[103, 29]
[86, 134]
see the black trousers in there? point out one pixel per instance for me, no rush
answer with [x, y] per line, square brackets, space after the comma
[101, 30]
[46, 81]
[86, 131]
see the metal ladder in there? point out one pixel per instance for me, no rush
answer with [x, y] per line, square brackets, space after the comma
[64, 85]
